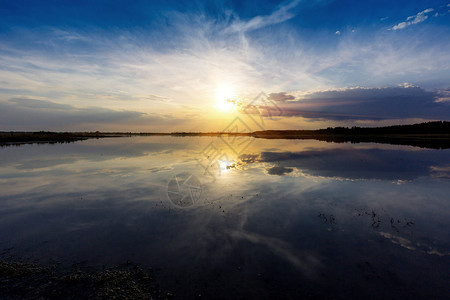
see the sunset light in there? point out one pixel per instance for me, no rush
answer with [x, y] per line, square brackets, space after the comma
[280, 149]
[225, 99]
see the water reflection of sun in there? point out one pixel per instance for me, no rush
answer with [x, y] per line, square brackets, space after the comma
[226, 165]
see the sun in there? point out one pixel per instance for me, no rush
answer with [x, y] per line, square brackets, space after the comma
[224, 99]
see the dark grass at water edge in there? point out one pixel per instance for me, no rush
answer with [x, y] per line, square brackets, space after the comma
[29, 280]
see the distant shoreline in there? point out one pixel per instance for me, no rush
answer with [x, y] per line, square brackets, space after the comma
[434, 135]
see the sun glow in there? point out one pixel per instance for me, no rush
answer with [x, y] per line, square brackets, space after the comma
[225, 166]
[224, 99]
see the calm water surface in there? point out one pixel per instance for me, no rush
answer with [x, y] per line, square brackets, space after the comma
[229, 219]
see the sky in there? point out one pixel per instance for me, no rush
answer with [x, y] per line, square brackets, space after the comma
[197, 65]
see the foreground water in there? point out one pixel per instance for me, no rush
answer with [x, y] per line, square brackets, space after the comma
[235, 217]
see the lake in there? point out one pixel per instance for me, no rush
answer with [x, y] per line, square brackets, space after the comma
[236, 217]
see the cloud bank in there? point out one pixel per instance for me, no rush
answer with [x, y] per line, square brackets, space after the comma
[23, 113]
[365, 104]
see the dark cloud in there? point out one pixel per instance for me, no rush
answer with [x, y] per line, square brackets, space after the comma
[443, 95]
[40, 114]
[38, 104]
[369, 104]
[278, 170]
[280, 97]
[356, 163]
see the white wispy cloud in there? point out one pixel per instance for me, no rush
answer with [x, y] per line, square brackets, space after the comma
[128, 76]
[282, 14]
[418, 18]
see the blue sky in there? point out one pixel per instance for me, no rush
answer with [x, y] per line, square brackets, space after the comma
[168, 66]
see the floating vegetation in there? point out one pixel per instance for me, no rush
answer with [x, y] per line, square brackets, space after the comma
[327, 218]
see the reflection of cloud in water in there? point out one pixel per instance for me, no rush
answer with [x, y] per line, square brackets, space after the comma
[279, 170]
[357, 163]
[405, 243]
[249, 158]
[307, 262]
[43, 163]
[30, 157]
[304, 261]
[398, 240]
[440, 172]
[159, 169]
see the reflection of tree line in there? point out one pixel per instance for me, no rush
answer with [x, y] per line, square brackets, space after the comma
[435, 142]
[6, 138]
[427, 135]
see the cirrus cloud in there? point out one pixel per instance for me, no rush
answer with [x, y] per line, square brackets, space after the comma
[418, 18]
